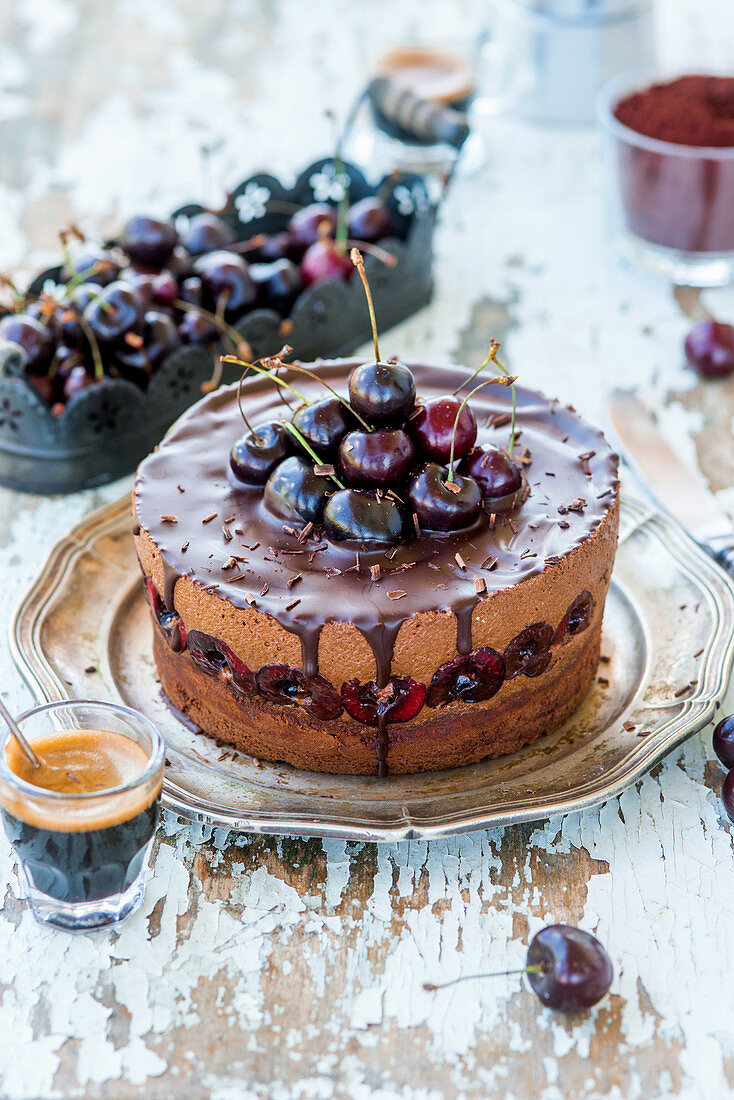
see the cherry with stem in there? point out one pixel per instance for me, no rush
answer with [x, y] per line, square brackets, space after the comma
[491, 357]
[358, 261]
[502, 381]
[289, 427]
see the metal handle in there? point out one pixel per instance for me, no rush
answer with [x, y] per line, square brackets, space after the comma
[725, 558]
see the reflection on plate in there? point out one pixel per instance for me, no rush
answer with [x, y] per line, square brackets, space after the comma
[667, 650]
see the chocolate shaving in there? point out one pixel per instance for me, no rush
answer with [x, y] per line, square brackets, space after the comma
[290, 530]
[629, 726]
[553, 559]
[169, 519]
[390, 554]
[185, 547]
[432, 565]
[375, 572]
[527, 554]
[305, 532]
[265, 589]
[481, 585]
[564, 524]
[227, 533]
[250, 599]
[459, 560]
[237, 577]
[397, 594]
[209, 587]
[292, 604]
[324, 469]
[295, 579]
[208, 519]
[452, 487]
[489, 563]
[586, 456]
[416, 524]
[180, 488]
[603, 681]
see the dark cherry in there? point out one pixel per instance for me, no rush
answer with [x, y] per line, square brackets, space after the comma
[225, 277]
[380, 458]
[44, 387]
[195, 328]
[358, 515]
[192, 290]
[400, 700]
[148, 241]
[278, 246]
[284, 684]
[33, 337]
[77, 380]
[727, 796]
[294, 492]
[312, 223]
[323, 260]
[323, 424]
[169, 621]
[471, 677]
[160, 338]
[528, 653]
[206, 233]
[438, 507]
[92, 263]
[255, 454]
[117, 309]
[575, 970]
[181, 263]
[432, 428]
[383, 393]
[723, 741]
[282, 286]
[215, 657]
[577, 617]
[494, 472]
[369, 220]
[77, 300]
[709, 349]
[164, 289]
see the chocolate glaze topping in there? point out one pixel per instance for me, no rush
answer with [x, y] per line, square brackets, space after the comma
[571, 476]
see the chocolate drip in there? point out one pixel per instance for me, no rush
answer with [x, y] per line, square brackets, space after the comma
[309, 637]
[463, 627]
[382, 746]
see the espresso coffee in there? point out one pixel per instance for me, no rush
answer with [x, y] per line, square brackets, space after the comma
[81, 849]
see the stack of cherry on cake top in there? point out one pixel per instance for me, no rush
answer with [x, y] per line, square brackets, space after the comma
[357, 567]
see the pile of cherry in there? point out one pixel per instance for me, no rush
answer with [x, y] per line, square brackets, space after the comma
[379, 467]
[118, 310]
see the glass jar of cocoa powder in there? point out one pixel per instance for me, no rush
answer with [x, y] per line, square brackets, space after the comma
[669, 173]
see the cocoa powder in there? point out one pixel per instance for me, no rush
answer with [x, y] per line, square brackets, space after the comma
[692, 110]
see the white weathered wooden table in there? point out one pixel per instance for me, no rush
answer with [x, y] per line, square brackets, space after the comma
[272, 968]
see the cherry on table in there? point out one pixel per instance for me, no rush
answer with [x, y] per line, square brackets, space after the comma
[323, 260]
[311, 223]
[383, 393]
[36, 340]
[376, 459]
[709, 348]
[568, 968]
[195, 328]
[255, 454]
[360, 516]
[323, 424]
[77, 300]
[369, 220]
[192, 290]
[432, 428]
[723, 741]
[206, 232]
[148, 241]
[294, 491]
[160, 338]
[442, 504]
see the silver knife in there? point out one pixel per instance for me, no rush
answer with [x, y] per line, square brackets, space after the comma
[677, 488]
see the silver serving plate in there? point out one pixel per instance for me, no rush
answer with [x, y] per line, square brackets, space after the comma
[84, 630]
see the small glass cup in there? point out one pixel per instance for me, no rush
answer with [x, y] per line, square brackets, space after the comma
[669, 206]
[83, 858]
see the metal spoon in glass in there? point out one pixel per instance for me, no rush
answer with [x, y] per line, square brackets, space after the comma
[19, 737]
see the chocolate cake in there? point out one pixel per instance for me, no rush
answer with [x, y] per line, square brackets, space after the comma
[422, 647]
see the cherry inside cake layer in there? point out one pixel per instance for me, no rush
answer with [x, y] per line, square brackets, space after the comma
[390, 646]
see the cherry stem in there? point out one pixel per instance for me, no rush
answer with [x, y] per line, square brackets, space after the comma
[239, 399]
[269, 373]
[317, 378]
[290, 427]
[430, 987]
[494, 347]
[380, 254]
[235, 338]
[488, 382]
[356, 258]
[96, 354]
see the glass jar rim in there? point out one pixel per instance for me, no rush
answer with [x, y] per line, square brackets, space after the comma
[633, 80]
[153, 764]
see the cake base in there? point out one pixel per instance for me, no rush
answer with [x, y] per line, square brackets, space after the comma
[445, 737]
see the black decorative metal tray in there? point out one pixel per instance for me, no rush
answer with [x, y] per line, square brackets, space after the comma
[107, 429]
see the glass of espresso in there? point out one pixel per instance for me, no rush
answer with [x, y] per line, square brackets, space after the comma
[82, 824]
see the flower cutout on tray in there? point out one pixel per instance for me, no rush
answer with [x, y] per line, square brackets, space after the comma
[410, 200]
[328, 185]
[253, 202]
